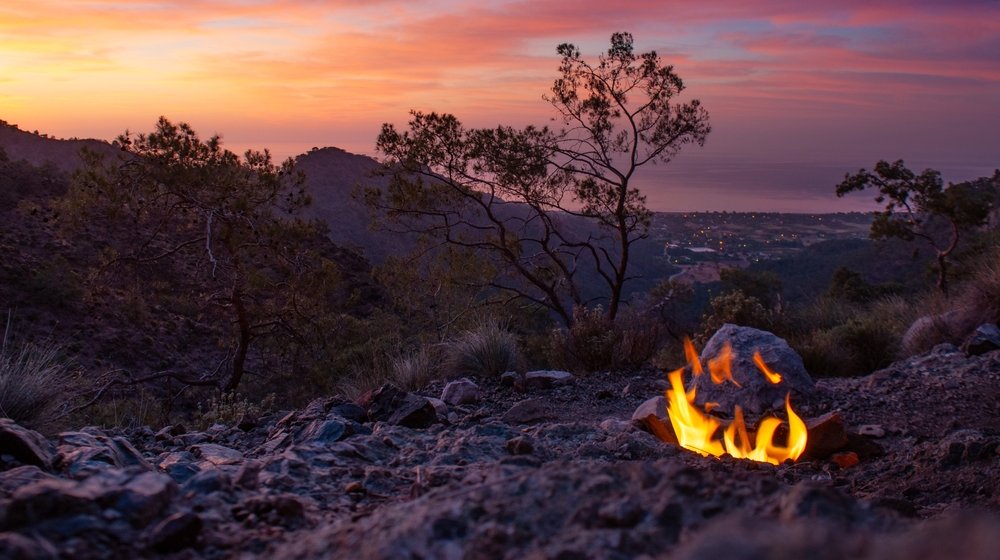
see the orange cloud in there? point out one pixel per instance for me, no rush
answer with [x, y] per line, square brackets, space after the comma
[299, 73]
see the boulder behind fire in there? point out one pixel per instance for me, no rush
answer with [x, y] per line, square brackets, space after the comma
[755, 393]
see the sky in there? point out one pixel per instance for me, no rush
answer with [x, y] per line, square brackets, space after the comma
[799, 93]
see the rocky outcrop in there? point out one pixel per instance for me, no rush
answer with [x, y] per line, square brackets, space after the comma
[570, 476]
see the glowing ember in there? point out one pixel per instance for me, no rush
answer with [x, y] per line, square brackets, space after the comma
[698, 431]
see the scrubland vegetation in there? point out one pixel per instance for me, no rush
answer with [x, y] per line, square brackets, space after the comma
[170, 278]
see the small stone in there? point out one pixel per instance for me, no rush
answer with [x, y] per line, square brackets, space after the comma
[354, 487]
[826, 435]
[207, 482]
[528, 411]
[985, 338]
[394, 406]
[49, 499]
[545, 379]
[322, 432]
[621, 514]
[656, 406]
[510, 378]
[248, 475]
[845, 459]
[460, 391]
[520, 445]
[615, 426]
[15, 546]
[872, 430]
[177, 532]
[815, 500]
[247, 423]
[350, 411]
[145, 497]
[863, 446]
[440, 408]
[216, 454]
[285, 510]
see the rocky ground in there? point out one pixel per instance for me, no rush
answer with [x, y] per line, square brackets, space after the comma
[546, 467]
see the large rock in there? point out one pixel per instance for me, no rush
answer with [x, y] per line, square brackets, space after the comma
[930, 330]
[754, 393]
[27, 446]
[392, 405]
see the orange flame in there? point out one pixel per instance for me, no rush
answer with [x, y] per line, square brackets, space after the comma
[691, 355]
[721, 366]
[697, 431]
[770, 375]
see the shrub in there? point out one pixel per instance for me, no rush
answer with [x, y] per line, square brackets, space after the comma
[868, 341]
[229, 408]
[737, 308]
[31, 381]
[640, 338]
[594, 343]
[487, 351]
[589, 345]
[416, 369]
[983, 291]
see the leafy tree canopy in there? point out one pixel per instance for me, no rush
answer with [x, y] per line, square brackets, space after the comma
[577, 212]
[917, 204]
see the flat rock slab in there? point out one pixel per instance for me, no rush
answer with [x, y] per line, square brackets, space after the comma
[528, 411]
[545, 379]
[217, 454]
[755, 393]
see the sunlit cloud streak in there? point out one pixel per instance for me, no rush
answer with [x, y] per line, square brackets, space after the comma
[821, 85]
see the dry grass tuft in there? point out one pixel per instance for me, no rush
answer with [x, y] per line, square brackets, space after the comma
[487, 351]
[31, 382]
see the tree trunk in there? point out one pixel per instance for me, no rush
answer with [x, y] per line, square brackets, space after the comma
[243, 338]
[942, 283]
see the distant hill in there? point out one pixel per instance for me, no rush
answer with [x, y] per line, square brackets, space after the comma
[40, 149]
[807, 275]
[332, 175]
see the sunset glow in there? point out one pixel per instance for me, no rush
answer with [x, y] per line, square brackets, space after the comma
[797, 95]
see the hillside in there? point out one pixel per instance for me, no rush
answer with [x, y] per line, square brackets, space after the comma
[39, 149]
[57, 284]
[332, 176]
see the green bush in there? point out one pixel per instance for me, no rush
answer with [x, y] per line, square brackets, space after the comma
[589, 345]
[867, 341]
[737, 308]
[32, 380]
[595, 343]
[229, 408]
[487, 351]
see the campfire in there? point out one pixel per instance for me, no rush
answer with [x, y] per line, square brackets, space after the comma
[700, 431]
